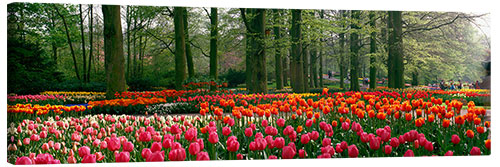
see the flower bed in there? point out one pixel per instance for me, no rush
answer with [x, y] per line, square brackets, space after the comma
[337, 125]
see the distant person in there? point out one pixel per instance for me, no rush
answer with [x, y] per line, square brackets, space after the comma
[477, 85]
[452, 86]
[441, 85]
[329, 74]
[459, 84]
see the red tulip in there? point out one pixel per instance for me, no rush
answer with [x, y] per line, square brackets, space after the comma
[387, 149]
[239, 156]
[191, 134]
[264, 123]
[71, 160]
[248, 132]
[226, 131]
[309, 123]
[213, 137]
[272, 157]
[288, 152]
[232, 144]
[99, 156]
[475, 151]
[156, 156]
[145, 137]
[203, 156]
[26, 141]
[23, 161]
[114, 144]
[455, 139]
[353, 151]
[375, 143]
[409, 153]
[128, 146]
[280, 122]
[45, 146]
[90, 158]
[82, 151]
[449, 153]
[146, 152]
[304, 139]
[302, 153]
[394, 142]
[429, 146]
[345, 126]
[327, 141]
[194, 148]
[279, 142]
[177, 154]
[44, 159]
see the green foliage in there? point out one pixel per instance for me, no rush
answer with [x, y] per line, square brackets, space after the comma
[233, 77]
[30, 69]
[77, 86]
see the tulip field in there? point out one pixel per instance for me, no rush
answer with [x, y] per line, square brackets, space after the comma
[222, 125]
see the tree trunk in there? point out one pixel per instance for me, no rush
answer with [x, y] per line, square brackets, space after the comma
[414, 81]
[278, 48]
[53, 43]
[314, 68]
[83, 45]
[213, 43]
[258, 51]
[91, 41]
[342, 53]
[354, 51]
[189, 56]
[180, 48]
[113, 51]
[373, 50]
[296, 67]
[129, 19]
[69, 43]
[305, 68]
[390, 59]
[134, 63]
[320, 73]
[285, 71]
[396, 50]
[141, 72]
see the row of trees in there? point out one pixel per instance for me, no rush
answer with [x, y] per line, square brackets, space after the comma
[305, 44]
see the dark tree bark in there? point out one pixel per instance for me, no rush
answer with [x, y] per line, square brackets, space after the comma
[305, 68]
[213, 43]
[180, 48]
[189, 56]
[69, 42]
[278, 48]
[285, 71]
[91, 40]
[320, 74]
[390, 45]
[373, 50]
[113, 51]
[396, 49]
[355, 15]
[84, 56]
[256, 49]
[314, 68]
[342, 53]
[129, 20]
[296, 67]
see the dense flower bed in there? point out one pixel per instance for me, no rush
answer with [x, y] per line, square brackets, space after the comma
[339, 125]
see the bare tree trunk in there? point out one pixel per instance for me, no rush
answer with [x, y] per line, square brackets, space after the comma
[91, 29]
[69, 42]
[189, 56]
[83, 45]
[180, 48]
[278, 54]
[213, 43]
[129, 19]
[113, 50]
[296, 64]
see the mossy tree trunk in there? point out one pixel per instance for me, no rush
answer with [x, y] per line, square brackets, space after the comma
[189, 55]
[278, 48]
[296, 67]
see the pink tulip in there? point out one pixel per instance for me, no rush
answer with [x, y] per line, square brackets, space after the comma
[202, 156]
[226, 131]
[23, 161]
[213, 137]
[83, 151]
[177, 154]
[122, 157]
[90, 158]
[146, 152]
[114, 144]
[248, 132]
[156, 146]
[194, 148]
[191, 134]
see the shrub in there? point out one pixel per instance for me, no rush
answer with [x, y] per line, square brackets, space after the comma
[234, 77]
